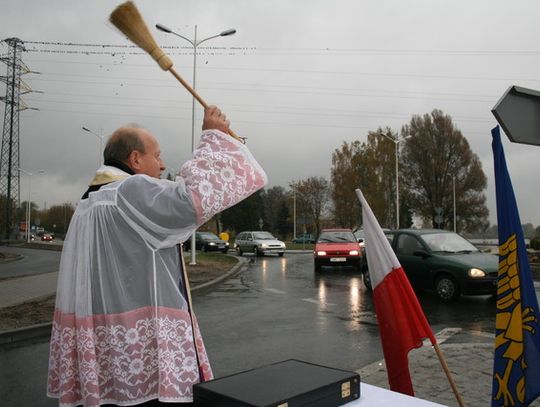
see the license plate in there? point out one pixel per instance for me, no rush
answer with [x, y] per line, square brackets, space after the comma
[338, 259]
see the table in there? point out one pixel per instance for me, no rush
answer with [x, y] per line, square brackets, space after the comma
[377, 396]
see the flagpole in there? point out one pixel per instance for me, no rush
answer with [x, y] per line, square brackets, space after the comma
[448, 374]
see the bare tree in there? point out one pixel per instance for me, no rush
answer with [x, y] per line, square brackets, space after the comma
[371, 167]
[312, 196]
[346, 177]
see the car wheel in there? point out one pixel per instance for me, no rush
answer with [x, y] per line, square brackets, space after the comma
[238, 250]
[281, 254]
[204, 248]
[225, 251]
[317, 267]
[366, 279]
[447, 288]
[257, 252]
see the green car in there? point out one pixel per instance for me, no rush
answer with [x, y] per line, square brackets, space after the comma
[442, 261]
[304, 238]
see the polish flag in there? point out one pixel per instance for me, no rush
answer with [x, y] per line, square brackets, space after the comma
[402, 323]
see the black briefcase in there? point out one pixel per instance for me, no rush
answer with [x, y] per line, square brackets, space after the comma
[290, 383]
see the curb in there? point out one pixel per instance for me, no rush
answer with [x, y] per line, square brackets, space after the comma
[43, 330]
[198, 289]
[11, 259]
[28, 332]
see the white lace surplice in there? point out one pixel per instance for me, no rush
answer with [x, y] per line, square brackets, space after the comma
[122, 332]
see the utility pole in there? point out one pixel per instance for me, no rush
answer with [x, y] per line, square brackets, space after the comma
[9, 157]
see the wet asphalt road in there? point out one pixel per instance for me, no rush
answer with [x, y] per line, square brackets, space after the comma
[277, 308]
[34, 261]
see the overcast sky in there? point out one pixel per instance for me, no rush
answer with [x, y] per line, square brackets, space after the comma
[297, 79]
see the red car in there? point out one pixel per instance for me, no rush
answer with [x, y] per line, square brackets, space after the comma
[337, 248]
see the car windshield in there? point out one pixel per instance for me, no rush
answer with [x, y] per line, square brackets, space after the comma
[359, 234]
[263, 236]
[336, 237]
[448, 243]
[208, 236]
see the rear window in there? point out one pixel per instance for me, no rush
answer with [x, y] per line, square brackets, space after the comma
[263, 236]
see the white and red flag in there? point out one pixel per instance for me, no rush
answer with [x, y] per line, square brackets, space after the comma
[401, 320]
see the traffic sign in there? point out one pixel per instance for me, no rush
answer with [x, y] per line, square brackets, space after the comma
[518, 113]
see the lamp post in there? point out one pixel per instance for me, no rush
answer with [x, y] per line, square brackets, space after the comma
[28, 210]
[194, 43]
[454, 199]
[396, 141]
[100, 137]
[294, 213]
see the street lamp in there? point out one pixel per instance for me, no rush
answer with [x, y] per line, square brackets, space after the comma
[100, 137]
[194, 43]
[396, 141]
[28, 213]
[454, 199]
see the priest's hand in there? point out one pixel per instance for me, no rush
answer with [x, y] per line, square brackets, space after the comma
[215, 119]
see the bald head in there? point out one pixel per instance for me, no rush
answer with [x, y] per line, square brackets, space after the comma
[137, 148]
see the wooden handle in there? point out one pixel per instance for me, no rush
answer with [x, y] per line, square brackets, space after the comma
[448, 374]
[199, 98]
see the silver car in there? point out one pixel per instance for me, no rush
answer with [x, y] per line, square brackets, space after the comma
[259, 243]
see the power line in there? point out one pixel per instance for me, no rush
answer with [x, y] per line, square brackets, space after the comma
[327, 50]
[342, 73]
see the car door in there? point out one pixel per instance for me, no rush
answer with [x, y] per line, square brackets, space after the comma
[240, 240]
[416, 267]
[244, 242]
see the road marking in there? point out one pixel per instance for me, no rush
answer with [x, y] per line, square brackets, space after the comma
[314, 301]
[275, 291]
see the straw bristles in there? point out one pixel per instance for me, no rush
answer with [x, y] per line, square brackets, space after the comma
[126, 18]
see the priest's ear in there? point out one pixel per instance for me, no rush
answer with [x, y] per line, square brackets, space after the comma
[134, 161]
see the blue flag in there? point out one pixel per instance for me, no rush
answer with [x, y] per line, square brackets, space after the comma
[516, 367]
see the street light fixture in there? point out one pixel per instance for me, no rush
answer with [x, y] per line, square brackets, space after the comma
[396, 141]
[28, 206]
[100, 137]
[194, 43]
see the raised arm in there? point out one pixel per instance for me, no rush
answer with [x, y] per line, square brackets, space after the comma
[222, 171]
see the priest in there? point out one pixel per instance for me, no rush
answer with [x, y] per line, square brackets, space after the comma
[123, 331]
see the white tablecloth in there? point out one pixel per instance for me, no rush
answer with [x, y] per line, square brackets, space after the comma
[377, 396]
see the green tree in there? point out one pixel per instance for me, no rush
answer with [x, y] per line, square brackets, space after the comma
[433, 157]
[528, 230]
[274, 200]
[244, 215]
[56, 219]
[283, 224]
[5, 226]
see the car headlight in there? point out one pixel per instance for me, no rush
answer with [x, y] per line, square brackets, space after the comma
[263, 245]
[321, 253]
[476, 273]
[226, 243]
[211, 244]
[353, 253]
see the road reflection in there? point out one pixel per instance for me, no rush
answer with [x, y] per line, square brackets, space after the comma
[352, 302]
[475, 313]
